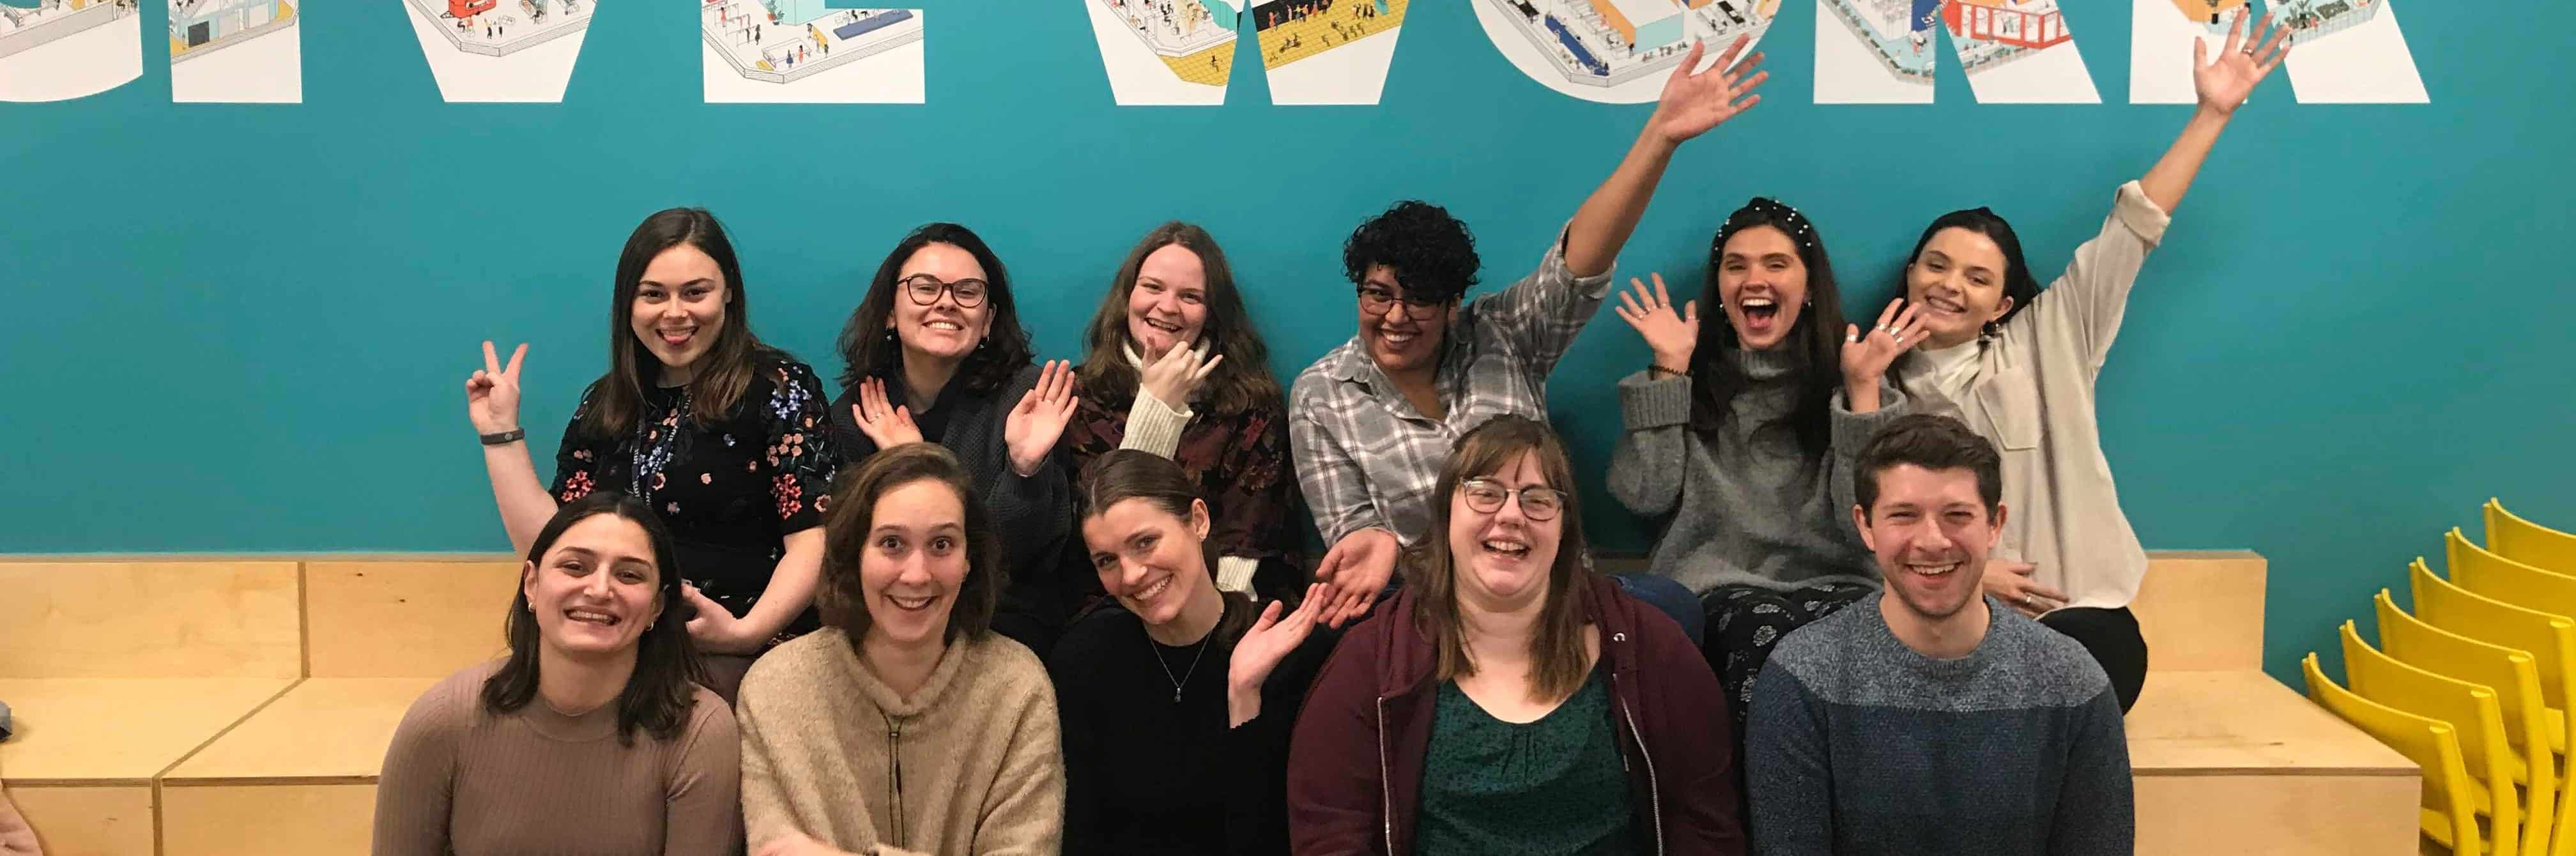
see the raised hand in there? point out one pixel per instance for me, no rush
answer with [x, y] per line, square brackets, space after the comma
[2224, 84]
[1032, 428]
[2011, 583]
[1671, 336]
[887, 426]
[1356, 569]
[1866, 356]
[1173, 376]
[492, 394]
[715, 629]
[1695, 101]
[1263, 646]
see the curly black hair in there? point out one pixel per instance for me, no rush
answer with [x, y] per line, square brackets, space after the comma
[1431, 252]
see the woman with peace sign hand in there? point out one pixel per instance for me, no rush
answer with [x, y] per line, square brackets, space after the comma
[2020, 365]
[1175, 367]
[935, 353]
[1741, 431]
[722, 436]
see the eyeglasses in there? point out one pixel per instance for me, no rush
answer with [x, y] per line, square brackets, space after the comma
[1537, 503]
[1374, 301]
[925, 290]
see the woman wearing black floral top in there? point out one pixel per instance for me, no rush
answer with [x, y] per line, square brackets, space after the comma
[725, 437]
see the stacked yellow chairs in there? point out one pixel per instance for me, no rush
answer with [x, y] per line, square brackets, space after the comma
[2529, 543]
[2515, 680]
[2447, 817]
[2469, 709]
[2517, 583]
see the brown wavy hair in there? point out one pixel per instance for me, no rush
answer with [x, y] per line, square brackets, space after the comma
[1125, 474]
[1241, 383]
[723, 373]
[842, 598]
[1558, 661]
[868, 349]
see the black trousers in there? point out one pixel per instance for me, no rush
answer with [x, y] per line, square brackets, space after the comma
[2112, 637]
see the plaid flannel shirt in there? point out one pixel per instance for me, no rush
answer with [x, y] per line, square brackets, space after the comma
[1366, 457]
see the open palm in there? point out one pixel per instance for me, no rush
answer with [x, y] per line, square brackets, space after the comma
[1695, 101]
[2247, 58]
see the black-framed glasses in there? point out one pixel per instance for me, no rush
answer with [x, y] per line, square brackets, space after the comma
[1537, 503]
[1375, 300]
[925, 290]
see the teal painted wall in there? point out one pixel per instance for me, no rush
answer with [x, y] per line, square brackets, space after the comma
[245, 328]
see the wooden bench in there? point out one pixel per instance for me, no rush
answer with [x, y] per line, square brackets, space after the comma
[299, 776]
[115, 671]
[2228, 760]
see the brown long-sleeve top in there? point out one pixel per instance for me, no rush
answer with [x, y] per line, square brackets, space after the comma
[458, 780]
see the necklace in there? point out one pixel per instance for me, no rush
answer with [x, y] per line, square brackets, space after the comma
[1178, 682]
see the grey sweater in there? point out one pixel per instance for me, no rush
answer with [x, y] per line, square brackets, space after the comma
[1858, 745]
[1748, 506]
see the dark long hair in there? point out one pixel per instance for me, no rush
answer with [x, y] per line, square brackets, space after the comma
[723, 374]
[868, 351]
[1125, 474]
[2018, 283]
[1557, 659]
[842, 599]
[1241, 383]
[659, 693]
[1815, 341]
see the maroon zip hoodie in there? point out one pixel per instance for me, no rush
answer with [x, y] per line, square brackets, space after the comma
[1355, 764]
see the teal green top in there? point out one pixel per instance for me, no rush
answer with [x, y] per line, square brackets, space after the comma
[1555, 786]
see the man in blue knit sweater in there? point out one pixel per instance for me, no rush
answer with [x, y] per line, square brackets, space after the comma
[1928, 719]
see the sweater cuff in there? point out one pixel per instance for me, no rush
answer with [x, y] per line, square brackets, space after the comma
[1654, 402]
[1851, 431]
[1234, 573]
[1153, 426]
[2134, 210]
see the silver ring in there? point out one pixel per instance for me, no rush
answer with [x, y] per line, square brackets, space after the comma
[1891, 330]
[1854, 337]
[2028, 601]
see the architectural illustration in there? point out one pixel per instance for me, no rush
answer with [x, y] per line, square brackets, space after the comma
[803, 52]
[1326, 51]
[1194, 39]
[1604, 43]
[503, 27]
[2012, 50]
[22, 28]
[201, 27]
[54, 50]
[2346, 51]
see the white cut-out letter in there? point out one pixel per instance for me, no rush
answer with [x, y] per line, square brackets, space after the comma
[1165, 52]
[1326, 51]
[58, 50]
[804, 52]
[237, 51]
[500, 50]
[2014, 51]
[1615, 51]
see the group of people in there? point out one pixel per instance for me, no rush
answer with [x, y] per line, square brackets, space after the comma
[903, 613]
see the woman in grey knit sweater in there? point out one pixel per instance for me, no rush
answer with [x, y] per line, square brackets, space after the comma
[1739, 436]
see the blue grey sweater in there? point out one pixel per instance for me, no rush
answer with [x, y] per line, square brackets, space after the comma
[1858, 745]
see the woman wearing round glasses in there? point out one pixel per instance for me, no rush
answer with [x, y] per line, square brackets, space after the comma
[935, 352]
[1511, 701]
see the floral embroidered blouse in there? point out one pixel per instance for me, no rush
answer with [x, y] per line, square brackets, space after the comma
[730, 491]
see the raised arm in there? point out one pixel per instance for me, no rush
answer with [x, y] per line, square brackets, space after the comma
[2223, 85]
[1647, 464]
[492, 405]
[1693, 101]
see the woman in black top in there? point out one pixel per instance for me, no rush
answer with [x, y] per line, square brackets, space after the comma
[935, 353]
[724, 437]
[1177, 701]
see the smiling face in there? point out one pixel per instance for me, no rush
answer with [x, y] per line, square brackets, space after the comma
[679, 308]
[1958, 279]
[597, 589]
[1763, 284]
[1931, 533]
[942, 330]
[1395, 338]
[914, 563]
[1168, 304]
[1502, 557]
[1151, 561]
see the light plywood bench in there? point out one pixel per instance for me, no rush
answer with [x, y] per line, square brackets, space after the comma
[299, 776]
[115, 671]
[2228, 760]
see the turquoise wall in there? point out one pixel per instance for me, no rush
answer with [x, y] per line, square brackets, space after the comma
[245, 328]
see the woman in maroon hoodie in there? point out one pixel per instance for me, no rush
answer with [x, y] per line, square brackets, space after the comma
[1510, 701]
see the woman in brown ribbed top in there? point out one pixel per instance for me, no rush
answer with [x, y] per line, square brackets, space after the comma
[591, 737]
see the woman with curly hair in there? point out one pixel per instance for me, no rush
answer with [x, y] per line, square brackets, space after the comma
[1371, 422]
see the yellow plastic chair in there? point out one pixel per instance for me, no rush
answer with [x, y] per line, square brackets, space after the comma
[2435, 746]
[2516, 682]
[2529, 543]
[2517, 583]
[2550, 639]
[2470, 709]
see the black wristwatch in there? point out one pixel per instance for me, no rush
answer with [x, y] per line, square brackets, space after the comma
[511, 436]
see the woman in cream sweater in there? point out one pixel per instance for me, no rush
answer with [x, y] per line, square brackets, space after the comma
[904, 726]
